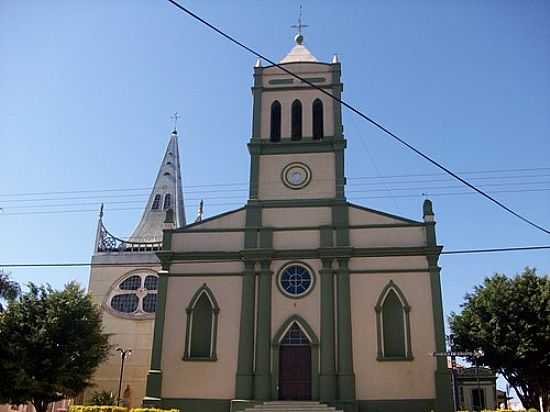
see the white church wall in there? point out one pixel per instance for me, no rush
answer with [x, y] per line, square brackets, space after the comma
[388, 263]
[194, 241]
[196, 379]
[363, 216]
[230, 220]
[378, 380]
[388, 237]
[302, 239]
[212, 268]
[296, 216]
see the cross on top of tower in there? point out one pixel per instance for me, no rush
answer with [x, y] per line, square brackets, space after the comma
[175, 118]
[299, 38]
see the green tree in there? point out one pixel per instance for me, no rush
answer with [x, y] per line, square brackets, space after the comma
[9, 290]
[509, 319]
[51, 343]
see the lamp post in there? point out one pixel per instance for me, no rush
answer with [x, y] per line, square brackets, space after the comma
[478, 353]
[124, 353]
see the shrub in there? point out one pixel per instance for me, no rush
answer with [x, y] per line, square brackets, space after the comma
[104, 398]
[153, 410]
[97, 408]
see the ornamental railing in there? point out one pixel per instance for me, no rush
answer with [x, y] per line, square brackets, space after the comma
[107, 243]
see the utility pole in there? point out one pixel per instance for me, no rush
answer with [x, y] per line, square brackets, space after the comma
[124, 353]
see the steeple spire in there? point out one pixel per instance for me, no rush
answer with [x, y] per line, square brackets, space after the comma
[299, 52]
[166, 194]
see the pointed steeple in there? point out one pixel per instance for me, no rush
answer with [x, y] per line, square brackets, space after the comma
[166, 194]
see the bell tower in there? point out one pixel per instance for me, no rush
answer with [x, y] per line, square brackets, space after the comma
[297, 145]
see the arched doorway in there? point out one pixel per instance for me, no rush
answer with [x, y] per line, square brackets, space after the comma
[295, 365]
[295, 361]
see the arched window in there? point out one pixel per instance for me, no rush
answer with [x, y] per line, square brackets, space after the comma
[275, 135]
[167, 201]
[156, 202]
[202, 325]
[392, 320]
[317, 111]
[296, 130]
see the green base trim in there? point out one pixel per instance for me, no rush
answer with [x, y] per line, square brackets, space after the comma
[238, 405]
[197, 405]
[395, 359]
[153, 386]
[397, 405]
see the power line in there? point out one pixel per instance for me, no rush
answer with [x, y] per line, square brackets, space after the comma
[243, 198]
[365, 117]
[448, 252]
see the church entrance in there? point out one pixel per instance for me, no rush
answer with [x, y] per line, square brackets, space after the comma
[295, 366]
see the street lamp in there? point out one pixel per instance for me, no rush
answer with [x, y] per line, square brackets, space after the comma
[124, 353]
[478, 353]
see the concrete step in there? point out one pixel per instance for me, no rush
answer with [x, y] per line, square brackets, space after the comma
[292, 406]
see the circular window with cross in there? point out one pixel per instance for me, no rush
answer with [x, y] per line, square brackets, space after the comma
[295, 280]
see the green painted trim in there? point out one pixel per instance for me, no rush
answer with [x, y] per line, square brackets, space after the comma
[337, 88]
[281, 81]
[314, 344]
[238, 405]
[253, 222]
[304, 228]
[245, 363]
[266, 237]
[346, 376]
[378, 212]
[326, 236]
[296, 202]
[154, 379]
[254, 183]
[406, 309]
[340, 220]
[287, 146]
[340, 180]
[188, 330]
[262, 373]
[191, 227]
[326, 87]
[315, 79]
[166, 239]
[257, 102]
[284, 292]
[327, 379]
[334, 252]
[197, 405]
[202, 275]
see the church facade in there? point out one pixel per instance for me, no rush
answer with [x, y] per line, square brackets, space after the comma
[297, 295]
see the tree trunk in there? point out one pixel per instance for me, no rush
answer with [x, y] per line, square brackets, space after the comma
[41, 405]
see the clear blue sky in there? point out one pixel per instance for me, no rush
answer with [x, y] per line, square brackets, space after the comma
[87, 90]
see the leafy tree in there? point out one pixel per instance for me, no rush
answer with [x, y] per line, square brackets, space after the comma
[51, 343]
[9, 290]
[509, 319]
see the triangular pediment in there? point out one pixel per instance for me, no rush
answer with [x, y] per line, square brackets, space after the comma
[360, 215]
[234, 219]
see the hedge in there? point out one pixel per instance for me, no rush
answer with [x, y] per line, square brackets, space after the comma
[96, 408]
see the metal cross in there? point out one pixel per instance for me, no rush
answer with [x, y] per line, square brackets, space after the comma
[175, 117]
[299, 26]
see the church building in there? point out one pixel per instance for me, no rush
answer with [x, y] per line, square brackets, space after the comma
[299, 295]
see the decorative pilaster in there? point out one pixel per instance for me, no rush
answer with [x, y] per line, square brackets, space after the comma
[154, 376]
[245, 364]
[262, 374]
[328, 365]
[346, 377]
[443, 392]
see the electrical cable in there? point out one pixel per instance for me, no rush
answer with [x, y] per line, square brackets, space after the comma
[448, 252]
[365, 117]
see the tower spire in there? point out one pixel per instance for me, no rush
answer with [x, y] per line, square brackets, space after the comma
[299, 38]
[167, 194]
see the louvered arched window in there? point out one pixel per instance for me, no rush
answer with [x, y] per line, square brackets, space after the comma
[296, 120]
[167, 201]
[156, 202]
[275, 134]
[317, 111]
[392, 320]
[202, 325]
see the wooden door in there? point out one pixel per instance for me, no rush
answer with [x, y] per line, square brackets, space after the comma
[294, 372]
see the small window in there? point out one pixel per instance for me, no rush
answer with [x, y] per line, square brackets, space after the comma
[168, 163]
[166, 173]
[392, 311]
[296, 130]
[167, 201]
[295, 336]
[275, 135]
[156, 202]
[202, 325]
[317, 111]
